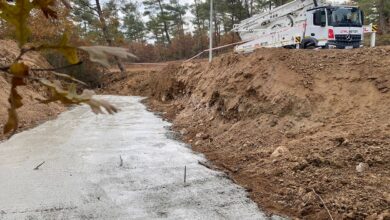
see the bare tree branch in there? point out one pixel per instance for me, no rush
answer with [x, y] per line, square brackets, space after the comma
[4, 69]
[24, 51]
[58, 68]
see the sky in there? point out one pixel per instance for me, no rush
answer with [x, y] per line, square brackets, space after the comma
[186, 1]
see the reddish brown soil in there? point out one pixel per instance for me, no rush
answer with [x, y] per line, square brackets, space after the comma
[32, 113]
[289, 125]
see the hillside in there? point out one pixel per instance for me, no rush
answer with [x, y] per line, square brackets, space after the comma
[289, 125]
[32, 112]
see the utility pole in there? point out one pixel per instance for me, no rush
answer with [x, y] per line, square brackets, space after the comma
[211, 32]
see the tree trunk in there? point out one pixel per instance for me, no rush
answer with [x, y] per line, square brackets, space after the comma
[165, 22]
[197, 14]
[200, 30]
[382, 17]
[216, 29]
[106, 33]
[181, 25]
[246, 4]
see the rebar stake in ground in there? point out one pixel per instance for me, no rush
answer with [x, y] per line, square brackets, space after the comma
[185, 175]
[39, 165]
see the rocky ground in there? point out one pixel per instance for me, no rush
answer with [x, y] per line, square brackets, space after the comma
[303, 131]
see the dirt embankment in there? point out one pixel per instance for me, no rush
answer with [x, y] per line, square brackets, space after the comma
[292, 126]
[32, 113]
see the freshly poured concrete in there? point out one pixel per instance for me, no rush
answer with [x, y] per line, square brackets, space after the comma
[82, 177]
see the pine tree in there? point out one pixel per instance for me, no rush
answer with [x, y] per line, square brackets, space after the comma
[133, 26]
[175, 14]
[155, 9]
[104, 22]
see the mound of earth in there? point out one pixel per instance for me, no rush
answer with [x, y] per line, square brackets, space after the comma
[304, 131]
[32, 112]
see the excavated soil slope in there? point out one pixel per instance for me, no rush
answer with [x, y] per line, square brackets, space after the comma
[292, 126]
[32, 112]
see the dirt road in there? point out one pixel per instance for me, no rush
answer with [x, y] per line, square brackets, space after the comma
[123, 166]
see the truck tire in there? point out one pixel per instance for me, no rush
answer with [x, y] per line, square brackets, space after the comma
[309, 43]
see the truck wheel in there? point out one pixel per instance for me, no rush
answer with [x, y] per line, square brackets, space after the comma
[309, 45]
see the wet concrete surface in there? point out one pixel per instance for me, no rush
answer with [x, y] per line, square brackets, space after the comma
[121, 166]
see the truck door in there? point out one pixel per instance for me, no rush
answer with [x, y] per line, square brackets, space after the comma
[317, 26]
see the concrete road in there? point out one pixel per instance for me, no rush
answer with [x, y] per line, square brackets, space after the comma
[121, 166]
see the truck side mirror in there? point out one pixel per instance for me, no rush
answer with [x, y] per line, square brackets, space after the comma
[362, 15]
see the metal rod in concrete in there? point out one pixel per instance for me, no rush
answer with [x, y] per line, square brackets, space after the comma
[185, 174]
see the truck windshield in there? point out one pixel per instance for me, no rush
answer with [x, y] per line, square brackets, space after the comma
[344, 17]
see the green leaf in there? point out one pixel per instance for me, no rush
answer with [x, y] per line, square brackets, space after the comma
[18, 71]
[69, 52]
[12, 122]
[17, 15]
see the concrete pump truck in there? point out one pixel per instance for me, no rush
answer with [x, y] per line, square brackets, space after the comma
[305, 24]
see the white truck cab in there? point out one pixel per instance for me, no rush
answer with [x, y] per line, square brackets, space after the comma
[334, 27]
